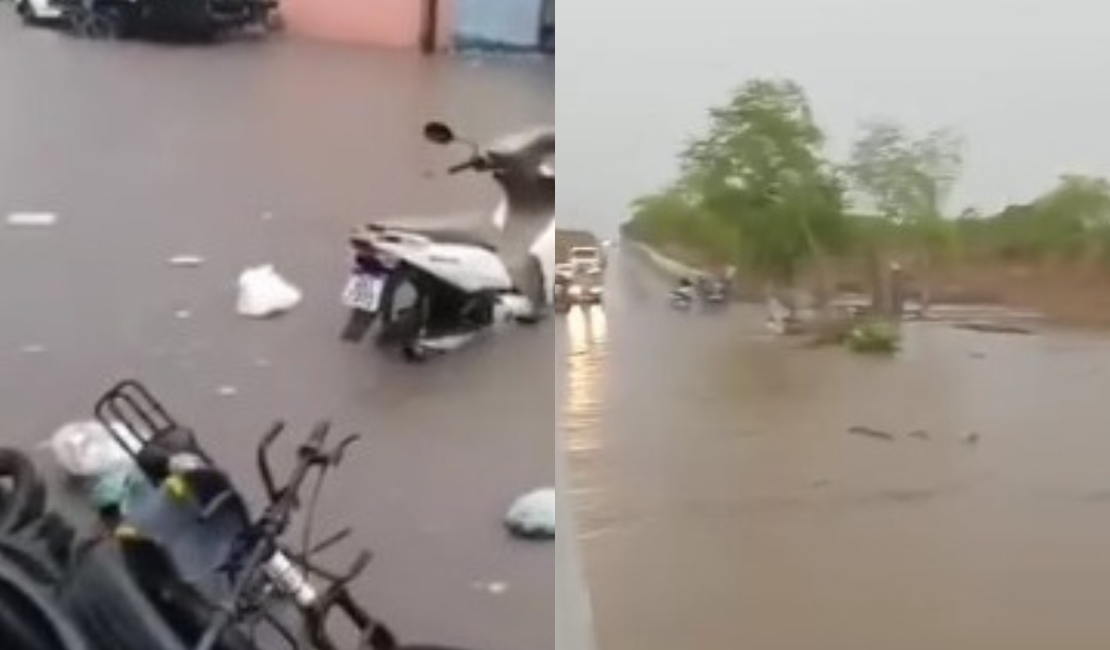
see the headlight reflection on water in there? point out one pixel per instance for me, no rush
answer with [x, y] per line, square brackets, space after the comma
[587, 332]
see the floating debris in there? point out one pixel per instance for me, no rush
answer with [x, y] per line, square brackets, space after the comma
[90, 450]
[228, 391]
[920, 434]
[533, 516]
[994, 328]
[32, 220]
[33, 349]
[263, 293]
[495, 588]
[187, 261]
[971, 438]
[183, 314]
[821, 483]
[868, 432]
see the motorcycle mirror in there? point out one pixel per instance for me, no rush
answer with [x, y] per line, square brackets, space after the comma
[439, 133]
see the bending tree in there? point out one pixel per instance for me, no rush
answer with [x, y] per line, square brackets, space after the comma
[761, 170]
[909, 182]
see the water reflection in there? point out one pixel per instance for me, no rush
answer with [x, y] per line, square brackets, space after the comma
[587, 329]
[587, 333]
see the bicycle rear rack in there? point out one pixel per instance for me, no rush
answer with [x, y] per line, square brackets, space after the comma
[130, 410]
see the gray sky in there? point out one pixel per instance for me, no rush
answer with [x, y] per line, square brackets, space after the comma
[1024, 80]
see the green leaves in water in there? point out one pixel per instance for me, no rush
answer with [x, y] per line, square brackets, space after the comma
[874, 337]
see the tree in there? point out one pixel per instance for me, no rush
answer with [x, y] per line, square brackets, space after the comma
[1069, 221]
[909, 182]
[760, 168]
[673, 217]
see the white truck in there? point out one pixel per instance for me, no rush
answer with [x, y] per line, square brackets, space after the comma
[586, 258]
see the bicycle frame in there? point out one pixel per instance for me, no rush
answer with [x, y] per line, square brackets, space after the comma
[259, 553]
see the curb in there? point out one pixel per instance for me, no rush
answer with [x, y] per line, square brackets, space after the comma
[574, 629]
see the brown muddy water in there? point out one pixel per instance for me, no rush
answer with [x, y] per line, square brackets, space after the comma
[724, 504]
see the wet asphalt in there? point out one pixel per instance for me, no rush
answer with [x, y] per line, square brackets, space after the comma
[249, 153]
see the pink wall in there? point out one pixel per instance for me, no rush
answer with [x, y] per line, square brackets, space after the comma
[387, 23]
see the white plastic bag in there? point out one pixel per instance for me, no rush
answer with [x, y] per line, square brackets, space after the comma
[533, 516]
[88, 450]
[263, 293]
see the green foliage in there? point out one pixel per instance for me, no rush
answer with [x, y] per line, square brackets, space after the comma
[907, 180]
[1069, 223]
[875, 337]
[757, 180]
[757, 189]
[670, 218]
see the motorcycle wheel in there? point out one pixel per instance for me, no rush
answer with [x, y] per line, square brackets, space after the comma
[403, 322]
[358, 324]
[26, 13]
[100, 25]
[29, 619]
[537, 292]
[22, 491]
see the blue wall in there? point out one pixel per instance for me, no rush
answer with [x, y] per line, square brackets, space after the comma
[509, 24]
[547, 38]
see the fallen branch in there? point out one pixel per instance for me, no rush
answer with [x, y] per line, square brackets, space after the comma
[875, 434]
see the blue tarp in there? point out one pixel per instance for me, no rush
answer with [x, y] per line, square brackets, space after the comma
[499, 24]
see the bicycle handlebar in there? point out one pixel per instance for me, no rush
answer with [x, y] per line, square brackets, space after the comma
[273, 523]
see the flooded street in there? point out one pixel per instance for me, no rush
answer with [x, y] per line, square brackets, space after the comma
[722, 500]
[255, 153]
[724, 503]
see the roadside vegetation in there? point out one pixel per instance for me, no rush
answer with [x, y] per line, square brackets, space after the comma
[759, 190]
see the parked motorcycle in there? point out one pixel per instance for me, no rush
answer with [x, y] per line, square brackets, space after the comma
[185, 563]
[204, 19]
[435, 289]
[682, 298]
[713, 292]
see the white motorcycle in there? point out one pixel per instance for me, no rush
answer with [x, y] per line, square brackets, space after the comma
[437, 289]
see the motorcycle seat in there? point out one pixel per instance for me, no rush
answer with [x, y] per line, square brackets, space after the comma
[485, 237]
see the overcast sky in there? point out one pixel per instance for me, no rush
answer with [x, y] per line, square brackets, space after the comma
[1026, 81]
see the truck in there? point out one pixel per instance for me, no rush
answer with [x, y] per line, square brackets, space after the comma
[580, 261]
[586, 257]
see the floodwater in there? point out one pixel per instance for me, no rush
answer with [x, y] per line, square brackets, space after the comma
[269, 152]
[724, 504]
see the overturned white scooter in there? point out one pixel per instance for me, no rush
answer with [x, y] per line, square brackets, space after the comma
[436, 289]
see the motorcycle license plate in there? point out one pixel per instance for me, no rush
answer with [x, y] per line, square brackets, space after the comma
[363, 292]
